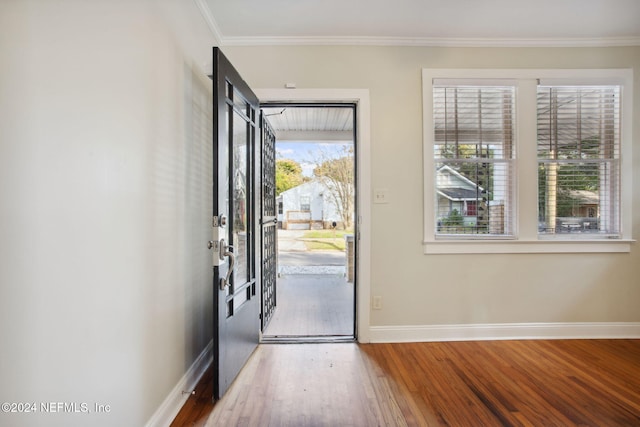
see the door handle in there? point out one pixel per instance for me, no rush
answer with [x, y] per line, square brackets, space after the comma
[225, 250]
[269, 221]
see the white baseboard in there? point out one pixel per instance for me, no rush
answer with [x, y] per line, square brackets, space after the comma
[507, 331]
[167, 411]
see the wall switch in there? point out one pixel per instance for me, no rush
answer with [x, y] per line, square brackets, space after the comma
[381, 195]
[377, 302]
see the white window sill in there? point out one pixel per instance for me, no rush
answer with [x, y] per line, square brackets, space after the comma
[433, 247]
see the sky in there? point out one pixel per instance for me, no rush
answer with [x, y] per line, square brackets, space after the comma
[306, 152]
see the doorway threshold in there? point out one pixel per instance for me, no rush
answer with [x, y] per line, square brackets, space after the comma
[306, 339]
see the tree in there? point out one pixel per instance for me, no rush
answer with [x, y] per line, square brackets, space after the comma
[288, 175]
[338, 176]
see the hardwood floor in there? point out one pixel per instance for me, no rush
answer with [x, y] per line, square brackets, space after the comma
[485, 383]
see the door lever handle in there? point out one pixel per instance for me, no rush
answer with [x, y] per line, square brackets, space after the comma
[270, 221]
[225, 250]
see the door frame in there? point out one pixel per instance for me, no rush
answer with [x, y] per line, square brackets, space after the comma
[360, 97]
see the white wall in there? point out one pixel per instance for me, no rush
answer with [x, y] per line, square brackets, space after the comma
[418, 289]
[105, 189]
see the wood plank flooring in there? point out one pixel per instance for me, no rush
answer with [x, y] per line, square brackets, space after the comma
[485, 383]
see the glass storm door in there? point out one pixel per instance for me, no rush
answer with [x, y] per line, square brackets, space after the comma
[235, 229]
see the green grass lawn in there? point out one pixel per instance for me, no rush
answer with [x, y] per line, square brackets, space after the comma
[325, 240]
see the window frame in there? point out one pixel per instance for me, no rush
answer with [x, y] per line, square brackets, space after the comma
[305, 202]
[505, 161]
[526, 238]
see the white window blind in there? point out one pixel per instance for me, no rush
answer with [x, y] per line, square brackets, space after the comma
[578, 160]
[473, 128]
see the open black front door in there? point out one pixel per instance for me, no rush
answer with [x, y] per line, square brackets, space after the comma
[235, 225]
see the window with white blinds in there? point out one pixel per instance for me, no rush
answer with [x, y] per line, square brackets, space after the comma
[473, 150]
[527, 160]
[579, 160]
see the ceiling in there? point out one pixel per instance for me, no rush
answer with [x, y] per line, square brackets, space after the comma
[425, 22]
[319, 123]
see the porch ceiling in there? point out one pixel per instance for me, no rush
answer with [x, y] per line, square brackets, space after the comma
[326, 124]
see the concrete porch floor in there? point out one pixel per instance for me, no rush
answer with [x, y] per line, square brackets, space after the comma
[313, 297]
[312, 305]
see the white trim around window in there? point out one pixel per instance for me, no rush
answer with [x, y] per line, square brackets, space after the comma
[526, 238]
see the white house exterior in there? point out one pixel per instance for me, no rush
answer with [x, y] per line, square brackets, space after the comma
[307, 206]
[456, 192]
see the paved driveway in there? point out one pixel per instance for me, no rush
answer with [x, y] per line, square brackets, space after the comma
[311, 258]
[292, 251]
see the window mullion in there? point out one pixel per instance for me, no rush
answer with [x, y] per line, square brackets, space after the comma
[526, 166]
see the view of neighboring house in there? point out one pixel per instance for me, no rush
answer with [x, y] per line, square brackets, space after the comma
[460, 206]
[307, 206]
[580, 211]
[457, 193]
[585, 203]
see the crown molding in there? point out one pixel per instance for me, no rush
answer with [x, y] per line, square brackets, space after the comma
[210, 21]
[430, 41]
[221, 40]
